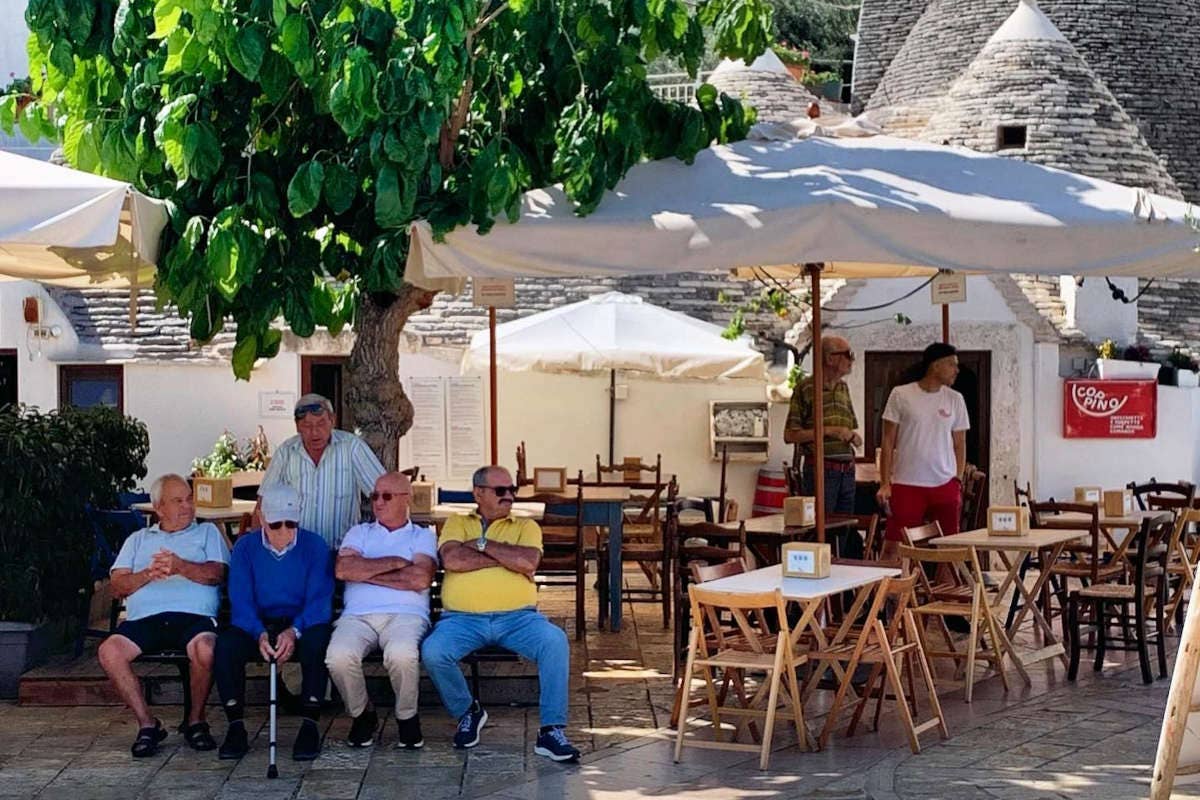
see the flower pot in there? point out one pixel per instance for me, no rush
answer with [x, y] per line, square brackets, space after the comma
[797, 71]
[1119, 369]
[832, 90]
[1167, 375]
[22, 647]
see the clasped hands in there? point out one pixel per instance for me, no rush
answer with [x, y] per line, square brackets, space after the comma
[285, 645]
[164, 564]
[843, 434]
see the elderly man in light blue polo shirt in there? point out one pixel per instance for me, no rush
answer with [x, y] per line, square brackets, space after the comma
[169, 575]
[331, 469]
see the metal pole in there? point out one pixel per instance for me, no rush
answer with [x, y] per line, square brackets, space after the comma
[945, 323]
[814, 270]
[272, 770]
[612, 414]
[492, 380]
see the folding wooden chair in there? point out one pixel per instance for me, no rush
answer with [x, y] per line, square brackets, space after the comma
[754, 649]
[1181, 563]
[982, 626]
[887, 648]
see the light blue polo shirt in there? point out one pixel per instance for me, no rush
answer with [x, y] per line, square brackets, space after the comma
[197, 543]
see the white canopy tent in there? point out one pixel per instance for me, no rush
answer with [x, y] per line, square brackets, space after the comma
[848, 207]
[71, 228]
[610, 332]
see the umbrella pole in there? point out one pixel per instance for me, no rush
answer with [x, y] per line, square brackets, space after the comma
[814, 270]
[492, 379]
[945, 323]
[612, 414]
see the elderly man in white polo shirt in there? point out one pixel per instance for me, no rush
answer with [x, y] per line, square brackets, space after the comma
[331, 470]
[388, 566]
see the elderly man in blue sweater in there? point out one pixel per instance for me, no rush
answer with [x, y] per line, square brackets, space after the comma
[281, 594]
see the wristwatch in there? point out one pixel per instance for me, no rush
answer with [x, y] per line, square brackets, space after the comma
[480, 543]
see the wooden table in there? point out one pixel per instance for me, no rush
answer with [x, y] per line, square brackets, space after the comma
[1122, 522]
[1038, 540]
[811, 594]
[767, 534]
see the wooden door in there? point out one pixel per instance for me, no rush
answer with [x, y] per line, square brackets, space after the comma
[886, 370]
[8, 378]
[326, 375]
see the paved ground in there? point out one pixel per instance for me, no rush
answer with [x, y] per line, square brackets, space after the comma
[1094, 739]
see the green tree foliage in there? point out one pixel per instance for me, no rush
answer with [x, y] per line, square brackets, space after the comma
[822, 27]
[297, 140]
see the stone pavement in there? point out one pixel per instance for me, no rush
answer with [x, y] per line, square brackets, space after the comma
[1093, 739]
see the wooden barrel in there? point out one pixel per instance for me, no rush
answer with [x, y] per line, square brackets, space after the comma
[770, 492]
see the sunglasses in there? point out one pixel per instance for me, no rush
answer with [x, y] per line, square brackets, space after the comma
[501, 491]
[287, 523]
[316, 409]
[387, 497]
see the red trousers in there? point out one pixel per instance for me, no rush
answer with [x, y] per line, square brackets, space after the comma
[915, 505]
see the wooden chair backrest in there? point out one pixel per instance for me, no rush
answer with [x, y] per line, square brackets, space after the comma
[1022, 497]
[867, 525]
[894, 596]
[966, 566]
[635, 472]
[746, 612]
[413, 472]
[922, 533]
[702, 573]
[1158, 495]
[562, 511]
[973, 510]
[794, 484]
[1049, 515]
[522, 477]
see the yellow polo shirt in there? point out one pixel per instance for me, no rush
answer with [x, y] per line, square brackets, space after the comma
[494, 588]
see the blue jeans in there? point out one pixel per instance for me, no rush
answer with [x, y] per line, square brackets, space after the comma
[524, 631]
[839, 489]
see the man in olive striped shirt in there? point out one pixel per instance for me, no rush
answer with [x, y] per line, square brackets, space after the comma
[840, 423]
[331, 469]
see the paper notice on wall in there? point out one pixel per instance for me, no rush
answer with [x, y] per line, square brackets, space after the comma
[465, 424]
[424, 445]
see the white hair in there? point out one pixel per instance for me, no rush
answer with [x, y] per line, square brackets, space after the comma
[156, 488]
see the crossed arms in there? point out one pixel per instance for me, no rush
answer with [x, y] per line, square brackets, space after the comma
[393, 572]
[464, 557]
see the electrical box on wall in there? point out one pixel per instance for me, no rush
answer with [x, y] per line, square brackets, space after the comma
[621, 391]
[31, 311]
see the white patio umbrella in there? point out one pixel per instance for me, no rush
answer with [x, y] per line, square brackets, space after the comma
[71, 228]
[614, 331]
[850, 207]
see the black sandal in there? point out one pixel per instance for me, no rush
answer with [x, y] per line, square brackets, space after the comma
[198, 737]
[148, 739]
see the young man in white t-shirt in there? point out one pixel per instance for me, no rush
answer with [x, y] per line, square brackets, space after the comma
[925, 428]
[387, 565]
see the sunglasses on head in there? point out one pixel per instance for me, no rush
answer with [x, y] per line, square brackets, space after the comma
[287, 523]
[311, 408]
[501, 491]
[386, 496]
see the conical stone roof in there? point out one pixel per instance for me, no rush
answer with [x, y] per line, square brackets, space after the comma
[766, 85]
[882, 29]
[1028, 76]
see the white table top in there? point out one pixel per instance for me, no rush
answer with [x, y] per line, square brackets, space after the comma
[1036, 540]
[766, 579]
[207, 514]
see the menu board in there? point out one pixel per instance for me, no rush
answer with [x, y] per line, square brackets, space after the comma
[447, 437]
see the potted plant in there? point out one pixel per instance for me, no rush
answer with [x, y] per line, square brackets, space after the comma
[1180, 369]
[52, 467]
[796, 61]
[1136, 363]
[215, 476]
[825, 84]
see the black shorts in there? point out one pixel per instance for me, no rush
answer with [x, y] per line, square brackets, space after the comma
[171, 630]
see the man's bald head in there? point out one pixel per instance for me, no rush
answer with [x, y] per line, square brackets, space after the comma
[837, 357]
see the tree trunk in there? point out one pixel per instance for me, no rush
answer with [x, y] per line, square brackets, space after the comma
[378, 407]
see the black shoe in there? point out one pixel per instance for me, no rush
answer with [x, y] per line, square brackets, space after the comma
[236, 743]
[553, 744]
[408, 733]
[148, 739]
[469, 726]
[362, 732]
[308, 742]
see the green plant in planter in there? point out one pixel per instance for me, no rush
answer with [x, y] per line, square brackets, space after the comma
[1181, 360]
[223, 461]
[1107, 349]
[51, 466]
[1137, 352]
[791, 56]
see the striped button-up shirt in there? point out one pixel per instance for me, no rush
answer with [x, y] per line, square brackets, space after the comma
[331, 491]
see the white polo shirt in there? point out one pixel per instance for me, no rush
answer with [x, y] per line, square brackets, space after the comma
[372, 540]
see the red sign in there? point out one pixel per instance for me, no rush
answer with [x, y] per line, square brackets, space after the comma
[1110, 409]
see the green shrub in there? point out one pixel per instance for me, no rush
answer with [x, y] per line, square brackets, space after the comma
[51, 466]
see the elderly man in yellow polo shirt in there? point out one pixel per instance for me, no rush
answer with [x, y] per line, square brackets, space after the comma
[489, 598]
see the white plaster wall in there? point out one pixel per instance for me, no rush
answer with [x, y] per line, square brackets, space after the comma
[186, 406]
[37, 372]
[13, 35]
[984, 304]
[563, 420]
[1063, 464]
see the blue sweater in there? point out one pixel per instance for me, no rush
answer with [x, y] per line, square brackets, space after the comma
[298, 585]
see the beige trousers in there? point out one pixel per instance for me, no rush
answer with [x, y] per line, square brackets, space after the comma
[398, 636]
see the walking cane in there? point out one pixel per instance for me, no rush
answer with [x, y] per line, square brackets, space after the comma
[272, 770]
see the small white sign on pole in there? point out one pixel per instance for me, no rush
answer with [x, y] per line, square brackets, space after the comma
[497, 292]
[948, 287]
[276, 404]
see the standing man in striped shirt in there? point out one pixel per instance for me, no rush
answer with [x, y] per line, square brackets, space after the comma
[840, 423]
[331, 469]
